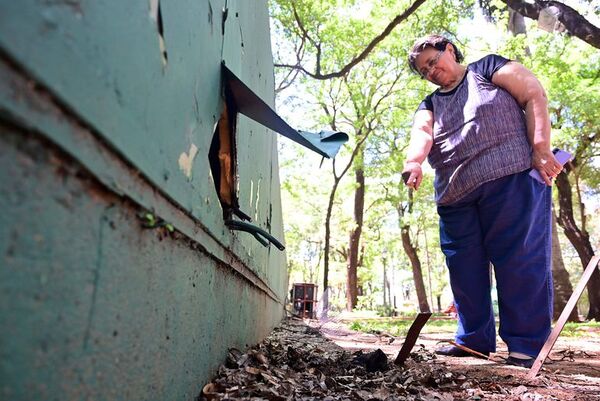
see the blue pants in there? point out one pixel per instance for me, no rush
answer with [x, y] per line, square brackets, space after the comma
[506, 222]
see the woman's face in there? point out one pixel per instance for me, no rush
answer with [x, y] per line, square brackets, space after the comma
[437, 65]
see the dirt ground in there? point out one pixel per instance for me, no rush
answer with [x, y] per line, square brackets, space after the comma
[571, 372]
[312, 360]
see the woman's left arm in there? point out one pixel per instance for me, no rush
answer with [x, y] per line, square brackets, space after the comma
[529, 93]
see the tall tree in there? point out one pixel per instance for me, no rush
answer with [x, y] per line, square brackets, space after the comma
[573, 83]
[562, 286]
[321, 36]
[404, 212]
[558, 62]
[560, 276]
[579, 237]
[337, 177]
[355, 233]
[371, 87]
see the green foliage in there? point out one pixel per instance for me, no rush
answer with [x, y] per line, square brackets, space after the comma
[366, 302]
[385, 311]
[399, 327]
[585, 329]
[378, 98]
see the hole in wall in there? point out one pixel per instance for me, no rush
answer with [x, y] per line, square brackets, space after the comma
[222, 158]
[156, 15]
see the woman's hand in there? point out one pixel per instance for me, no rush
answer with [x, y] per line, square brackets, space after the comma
[546, 164]
[413, 171]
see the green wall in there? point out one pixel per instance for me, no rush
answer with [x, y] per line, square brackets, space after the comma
[94, 127]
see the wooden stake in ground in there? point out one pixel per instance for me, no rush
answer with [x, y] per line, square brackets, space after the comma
[560, 323]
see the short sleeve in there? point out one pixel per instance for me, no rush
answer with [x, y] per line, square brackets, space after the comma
[426, 104]
[488, 65]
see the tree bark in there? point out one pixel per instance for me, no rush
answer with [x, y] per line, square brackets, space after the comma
[336, 182]
[516, 26]
[384, 282]
[580, 240]
[560, 278]
[562, 285]
[574, 23]
[516, 23]
[327, 244]
[355, 233]
[411, 252]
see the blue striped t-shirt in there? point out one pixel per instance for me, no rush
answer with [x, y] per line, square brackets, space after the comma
[479, 133]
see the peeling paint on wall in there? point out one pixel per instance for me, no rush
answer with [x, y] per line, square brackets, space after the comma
[186, 161]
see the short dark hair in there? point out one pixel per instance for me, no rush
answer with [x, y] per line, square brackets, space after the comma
[437, 42]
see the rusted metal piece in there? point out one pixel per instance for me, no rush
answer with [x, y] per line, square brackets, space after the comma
[411, 337]
[469, 350]
[539, 361]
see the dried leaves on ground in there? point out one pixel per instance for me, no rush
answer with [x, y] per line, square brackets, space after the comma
[297, 363]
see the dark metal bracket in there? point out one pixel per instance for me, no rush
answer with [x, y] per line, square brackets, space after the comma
[248, 103]
[239, 98]
[258, 233]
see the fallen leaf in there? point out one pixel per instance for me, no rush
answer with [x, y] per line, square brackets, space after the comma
[252, 370]
[261, 358]
[211, 391]
[519, 390]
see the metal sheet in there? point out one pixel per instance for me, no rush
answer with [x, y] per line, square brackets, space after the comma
[411, 337]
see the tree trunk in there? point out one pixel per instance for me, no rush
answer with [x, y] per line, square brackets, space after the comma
[516, 26]
[562, 285]
[326, 247]
[384, 282]
[411, 252]
[355, 233]
[516, 23]
[580, 240]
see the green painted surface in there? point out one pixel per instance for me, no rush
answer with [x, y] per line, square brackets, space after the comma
[102, 60]
[92, 306]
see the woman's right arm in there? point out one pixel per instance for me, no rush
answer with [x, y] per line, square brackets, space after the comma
[421, 139]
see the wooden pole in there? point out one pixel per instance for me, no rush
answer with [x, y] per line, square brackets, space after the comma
[560, 323]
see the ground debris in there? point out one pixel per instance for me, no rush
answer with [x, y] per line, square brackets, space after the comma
[570, 354]
[296, 362]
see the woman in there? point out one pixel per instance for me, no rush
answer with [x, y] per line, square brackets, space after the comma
[482, 131]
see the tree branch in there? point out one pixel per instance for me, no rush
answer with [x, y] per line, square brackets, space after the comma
[287, 82]
[378, 39]
[574, 22]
